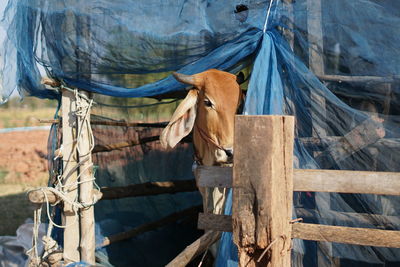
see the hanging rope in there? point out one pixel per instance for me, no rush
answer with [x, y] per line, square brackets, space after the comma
[267, 16]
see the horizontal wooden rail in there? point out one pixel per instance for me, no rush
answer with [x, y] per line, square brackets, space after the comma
[115, 123]
[224, 222]
[323, 143]
[364, 220]
[210, 176]
[359, 79]
[131, 143]
[361, 182]
[124, 144]
[317, 232]
[348, 235]
[135, 190]
[40, 196]
[148, 189]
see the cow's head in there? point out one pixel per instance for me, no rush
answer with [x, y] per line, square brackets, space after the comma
[209, 110]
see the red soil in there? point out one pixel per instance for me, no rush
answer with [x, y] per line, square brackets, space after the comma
[23, 155]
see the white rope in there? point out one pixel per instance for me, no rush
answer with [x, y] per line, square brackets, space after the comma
[34, 259]
[267, 16]
[83, 106]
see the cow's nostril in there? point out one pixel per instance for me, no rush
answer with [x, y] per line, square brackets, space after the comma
[229, 152]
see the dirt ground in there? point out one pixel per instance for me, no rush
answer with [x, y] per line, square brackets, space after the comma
[23, 165]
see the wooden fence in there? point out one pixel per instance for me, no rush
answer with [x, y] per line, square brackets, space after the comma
[263, 181]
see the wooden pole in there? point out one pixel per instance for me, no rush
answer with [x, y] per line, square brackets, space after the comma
[263, 189]
[149, 189]
[70, 218]
[195, 249]
[87, 224]
[319, 114]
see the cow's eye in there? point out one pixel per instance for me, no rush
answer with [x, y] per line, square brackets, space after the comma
[208, 103]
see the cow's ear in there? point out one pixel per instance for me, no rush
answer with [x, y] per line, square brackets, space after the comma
[181, 123]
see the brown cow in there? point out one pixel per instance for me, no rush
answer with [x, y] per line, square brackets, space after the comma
[209, 110]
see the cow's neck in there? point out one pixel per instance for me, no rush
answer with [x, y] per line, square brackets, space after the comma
[205, 152]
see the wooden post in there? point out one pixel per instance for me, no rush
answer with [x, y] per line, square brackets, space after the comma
[263, 189]
[70, 218]
[316, 62]
[316, 65]
[87, 225]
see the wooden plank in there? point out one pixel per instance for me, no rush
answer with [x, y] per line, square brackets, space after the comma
[148, 189]
[368, 132]
[320, 144]
[217, 222]
[364, 220]
[124, 144]
[347, 235]
[262, 179]
[340, 181]
[115, 123]
[224, 223]
[130, 143]
[69, 132]
[360, 79]
[214, 176]
[39, 196]
[195, 249]
[362, 182]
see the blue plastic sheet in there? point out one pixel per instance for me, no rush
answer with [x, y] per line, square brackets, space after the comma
[325, 109]
[334, 65]
[89, 43]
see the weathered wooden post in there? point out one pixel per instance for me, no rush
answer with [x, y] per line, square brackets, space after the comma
[263, 189]
[87, 224]
[70, 158]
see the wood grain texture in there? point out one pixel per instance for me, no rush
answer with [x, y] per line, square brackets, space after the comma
[195, 249]
[87, 222]
[348, 235]
[69, 133]
[217, 222]
[365, 220]
[363, 182]
[263, 188]
[214, 176]
[39, 196]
